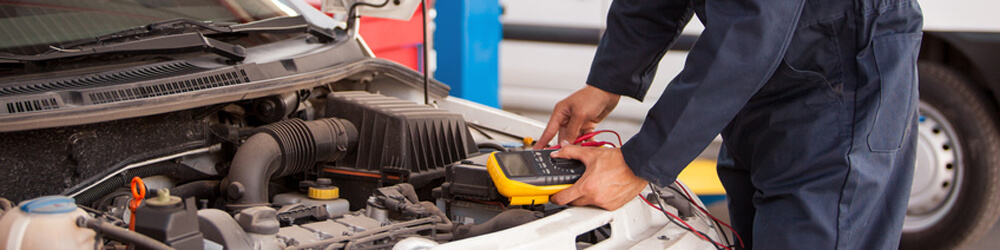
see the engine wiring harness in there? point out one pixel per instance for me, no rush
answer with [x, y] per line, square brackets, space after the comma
[587, 140]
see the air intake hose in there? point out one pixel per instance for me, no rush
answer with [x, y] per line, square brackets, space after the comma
[281, 149]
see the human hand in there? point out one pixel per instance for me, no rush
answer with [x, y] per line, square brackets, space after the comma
[577, 114]
[607, 183]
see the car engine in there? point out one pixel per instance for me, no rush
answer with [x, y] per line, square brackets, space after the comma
[316, 169]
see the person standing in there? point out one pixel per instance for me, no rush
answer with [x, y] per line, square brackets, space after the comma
[816, 102]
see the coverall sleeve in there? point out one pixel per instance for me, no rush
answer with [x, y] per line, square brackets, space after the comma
[638, 34]
[742, 45]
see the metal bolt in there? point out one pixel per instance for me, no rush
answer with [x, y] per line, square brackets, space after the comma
[267, 107]
[236, 190]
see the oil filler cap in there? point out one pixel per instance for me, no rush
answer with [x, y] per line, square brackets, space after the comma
[49, 205]
[163, 199]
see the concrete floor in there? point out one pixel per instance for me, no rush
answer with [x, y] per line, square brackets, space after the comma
[989, 241]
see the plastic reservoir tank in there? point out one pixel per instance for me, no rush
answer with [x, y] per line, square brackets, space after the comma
[45, 223]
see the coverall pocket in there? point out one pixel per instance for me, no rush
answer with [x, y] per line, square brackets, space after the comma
[808, 79]
[896, 62]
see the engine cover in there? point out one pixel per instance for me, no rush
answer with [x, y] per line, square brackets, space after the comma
[399, 138]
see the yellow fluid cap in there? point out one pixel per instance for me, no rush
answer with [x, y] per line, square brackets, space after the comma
[528, 141]
[324, 193]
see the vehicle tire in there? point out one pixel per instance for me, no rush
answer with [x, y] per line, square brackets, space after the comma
[955, 197]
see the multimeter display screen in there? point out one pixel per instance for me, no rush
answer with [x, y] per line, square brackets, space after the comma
[514, 165]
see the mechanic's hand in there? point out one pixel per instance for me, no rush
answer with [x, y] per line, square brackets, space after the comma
[608, 182]
[577, 114]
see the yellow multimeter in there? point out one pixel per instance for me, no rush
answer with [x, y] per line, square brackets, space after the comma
[529, 177]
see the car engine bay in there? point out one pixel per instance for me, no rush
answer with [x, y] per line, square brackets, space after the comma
[307, 143]
[314, 169]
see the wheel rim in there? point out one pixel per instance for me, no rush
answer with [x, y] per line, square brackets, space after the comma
[938, 174]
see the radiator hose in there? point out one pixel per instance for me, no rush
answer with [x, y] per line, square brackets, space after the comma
[281, 149]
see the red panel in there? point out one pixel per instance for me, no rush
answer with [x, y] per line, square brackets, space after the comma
[391, 39]
[403, 55]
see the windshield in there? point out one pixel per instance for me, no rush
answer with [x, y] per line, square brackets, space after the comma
[31, 26]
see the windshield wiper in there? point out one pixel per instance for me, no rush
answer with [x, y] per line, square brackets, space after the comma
[157, 44]
[175, 35]
[292, 24]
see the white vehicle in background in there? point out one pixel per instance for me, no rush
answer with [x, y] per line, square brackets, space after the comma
[548, 47]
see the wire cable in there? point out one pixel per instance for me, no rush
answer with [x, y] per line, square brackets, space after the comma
[477, 129]
[703, 214]
[120, 234]
[659, 201]
[671, 216]
[703, 210]
[353, 9]
[680, 223]
[423, 9]
[102, 215]
[582, 140]
[494, 130]
[590, 135]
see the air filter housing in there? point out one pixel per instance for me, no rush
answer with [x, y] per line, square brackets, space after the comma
[400, 136]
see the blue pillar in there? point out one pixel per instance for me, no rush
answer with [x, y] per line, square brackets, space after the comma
[467, 40]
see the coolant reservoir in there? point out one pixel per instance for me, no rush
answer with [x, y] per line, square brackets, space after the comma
[45, 223]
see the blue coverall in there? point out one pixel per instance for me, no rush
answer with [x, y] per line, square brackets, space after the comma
[816, 102]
